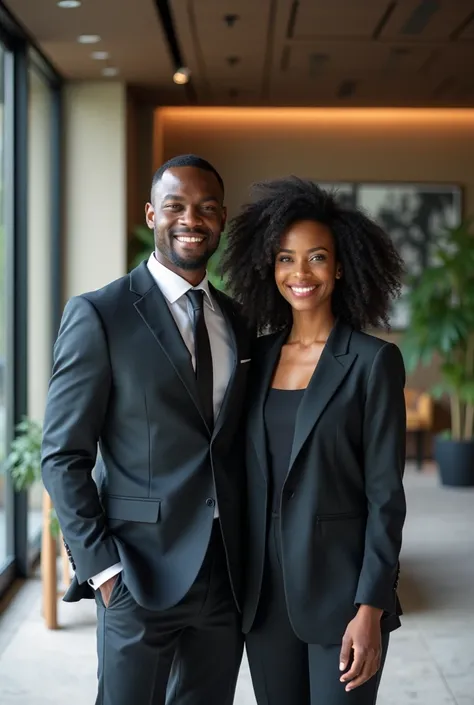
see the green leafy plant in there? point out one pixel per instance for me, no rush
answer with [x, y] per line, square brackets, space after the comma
[24, 461]
[142, 244]
[441, 303]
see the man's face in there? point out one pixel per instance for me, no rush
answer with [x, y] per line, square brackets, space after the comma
[187, 216]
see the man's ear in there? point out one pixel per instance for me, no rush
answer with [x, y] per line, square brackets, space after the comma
[150, 216]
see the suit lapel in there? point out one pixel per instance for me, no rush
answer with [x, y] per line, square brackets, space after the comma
[333, 366]
[265, 368]
[155, 313]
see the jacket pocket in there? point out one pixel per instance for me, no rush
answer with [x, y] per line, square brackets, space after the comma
[340, 516]
[132, 509]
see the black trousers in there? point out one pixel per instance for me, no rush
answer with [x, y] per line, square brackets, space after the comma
[285, 670]
[187, 655]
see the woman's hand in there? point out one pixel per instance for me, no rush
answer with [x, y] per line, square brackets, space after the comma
[363, 638]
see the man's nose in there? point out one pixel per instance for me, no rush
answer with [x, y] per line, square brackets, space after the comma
[190, 217]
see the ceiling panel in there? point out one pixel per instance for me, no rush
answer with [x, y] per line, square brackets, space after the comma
[221, 52]
[338, 18]
[377, 58]
[427, 20]
[467, 31]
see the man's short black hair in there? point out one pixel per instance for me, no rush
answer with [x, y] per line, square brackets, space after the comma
[185, 160]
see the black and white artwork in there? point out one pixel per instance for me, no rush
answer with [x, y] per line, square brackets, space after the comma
[343, 191]
[415, 216]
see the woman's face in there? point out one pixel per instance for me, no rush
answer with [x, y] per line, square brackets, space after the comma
[306, 266]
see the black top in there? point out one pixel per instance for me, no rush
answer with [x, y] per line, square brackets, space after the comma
[281, 408]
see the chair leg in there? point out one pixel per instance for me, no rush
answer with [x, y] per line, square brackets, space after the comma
[420, 442]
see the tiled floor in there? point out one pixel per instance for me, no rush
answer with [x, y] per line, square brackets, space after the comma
[430, 662]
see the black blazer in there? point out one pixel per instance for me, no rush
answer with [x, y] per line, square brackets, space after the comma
[123, 379]
[343, 503]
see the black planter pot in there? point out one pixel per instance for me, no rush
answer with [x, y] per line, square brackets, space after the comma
[455, 461]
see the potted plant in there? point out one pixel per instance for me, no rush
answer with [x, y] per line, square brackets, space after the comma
[442, 325]
[24, 462]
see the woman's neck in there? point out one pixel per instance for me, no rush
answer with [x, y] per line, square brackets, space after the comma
[310, 327]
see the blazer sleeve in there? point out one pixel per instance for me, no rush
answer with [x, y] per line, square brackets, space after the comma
[384, 439]
[75, 410]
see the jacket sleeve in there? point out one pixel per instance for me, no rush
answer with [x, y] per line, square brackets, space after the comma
[75, 410]
[384, 439]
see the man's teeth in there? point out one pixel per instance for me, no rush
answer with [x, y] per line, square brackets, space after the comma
[185, 238]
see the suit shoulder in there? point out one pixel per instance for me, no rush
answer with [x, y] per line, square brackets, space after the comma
[107, 298]
[370, 345]
[380, 356]
[108, 293]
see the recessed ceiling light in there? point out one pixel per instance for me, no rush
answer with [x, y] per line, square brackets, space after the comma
[182, 76]
[88, 39]
[100, 55]
[69, 4]
[110, 71]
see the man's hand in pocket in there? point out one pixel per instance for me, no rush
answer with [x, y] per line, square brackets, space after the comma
[106, 589]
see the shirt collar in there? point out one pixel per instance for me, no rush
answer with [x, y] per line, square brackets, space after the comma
[172, 286]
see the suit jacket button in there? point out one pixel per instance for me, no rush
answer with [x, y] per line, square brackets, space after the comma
[210, 502]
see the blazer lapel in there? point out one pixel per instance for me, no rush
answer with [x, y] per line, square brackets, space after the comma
[333, 366]
[155, 313]
[262, 380]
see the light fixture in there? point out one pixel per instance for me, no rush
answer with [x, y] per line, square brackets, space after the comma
[88, 38]
[110, 71]
[69, 4]
[100, 55]
[182, 76]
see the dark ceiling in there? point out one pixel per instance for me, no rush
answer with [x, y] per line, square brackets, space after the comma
[269, 52]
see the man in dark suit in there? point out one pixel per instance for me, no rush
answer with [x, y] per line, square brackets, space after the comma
[152, 369]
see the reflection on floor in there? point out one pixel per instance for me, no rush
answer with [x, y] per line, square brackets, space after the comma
[431, 660]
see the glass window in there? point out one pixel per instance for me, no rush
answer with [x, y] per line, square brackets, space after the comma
[4, 504]
[40, 228]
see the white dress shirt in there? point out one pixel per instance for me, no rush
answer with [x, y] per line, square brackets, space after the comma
[174, 289]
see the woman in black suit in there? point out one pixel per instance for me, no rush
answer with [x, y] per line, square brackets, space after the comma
[325, 445]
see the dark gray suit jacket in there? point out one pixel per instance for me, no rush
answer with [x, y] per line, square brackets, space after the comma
[123, 379]
[343, 504]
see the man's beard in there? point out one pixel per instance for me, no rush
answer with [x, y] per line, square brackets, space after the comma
[189, 265]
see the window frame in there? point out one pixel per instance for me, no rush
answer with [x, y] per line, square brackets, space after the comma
[22, 53]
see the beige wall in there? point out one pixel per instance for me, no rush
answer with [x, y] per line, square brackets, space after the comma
[95, 190]
[246, 145]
